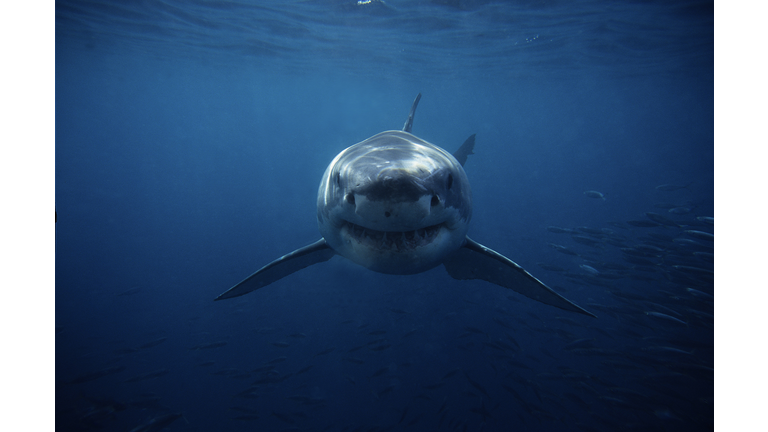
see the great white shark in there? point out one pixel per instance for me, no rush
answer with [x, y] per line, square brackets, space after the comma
[397, 204]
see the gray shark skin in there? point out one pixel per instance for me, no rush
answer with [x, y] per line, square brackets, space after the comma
[397, 204]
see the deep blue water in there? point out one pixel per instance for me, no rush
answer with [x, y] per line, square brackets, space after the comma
[190, 142]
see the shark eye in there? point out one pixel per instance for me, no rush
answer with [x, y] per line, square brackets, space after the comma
[435, 200]
[350, 198]
[450, 181]
[337, 178]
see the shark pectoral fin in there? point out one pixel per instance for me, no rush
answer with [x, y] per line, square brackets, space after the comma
[475, 261]
[315, 253]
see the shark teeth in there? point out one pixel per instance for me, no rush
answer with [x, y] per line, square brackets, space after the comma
[393, 240]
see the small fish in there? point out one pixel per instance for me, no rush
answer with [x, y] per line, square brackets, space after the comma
[325, 351]
[128, 292]
[688, 243]
[246, 417]
[415, 419]
[473, 330]
[154, 343]
[680, 210]
[665, 205]
[304, 369]
[451, 373]
[643, 223]
[589, 269]
[586, 240]
[659, 306]
[575, 398]
[262, 368]
[442, 408]
[209, 345]
[502, 323]
[249, 393]
[563, 249]
[558, 230]
[385, 391]
[283, 417]
[666, 317]
[381, 347]
[595, 194]
[148, 376]
[515, 394]
[650, 249]
[402, 417]
[667, 349]
[157, 423]
[663, 220]
[550, 267]
[706, 219]
[594, 231]
[98, 374]
[694, 270]
[483, 411]
[511, 339]
[493, 345]
[380, 372]
[700, 235]
[700, 294]
[271, 380]
[243, 410]
[639, 253]
[580, 343]
[298, 398]
[672, 187]
[617, 224]
[477, 385]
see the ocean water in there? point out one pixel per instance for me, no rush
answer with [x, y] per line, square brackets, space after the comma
[191, 137]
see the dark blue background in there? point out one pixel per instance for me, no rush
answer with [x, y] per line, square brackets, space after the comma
[189, 151]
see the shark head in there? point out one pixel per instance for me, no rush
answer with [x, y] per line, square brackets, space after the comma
[394, 203]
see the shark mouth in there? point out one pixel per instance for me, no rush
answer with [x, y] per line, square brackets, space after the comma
[395, 241]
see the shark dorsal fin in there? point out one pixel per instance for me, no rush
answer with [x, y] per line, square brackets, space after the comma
[465, 150]
[409, 123]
